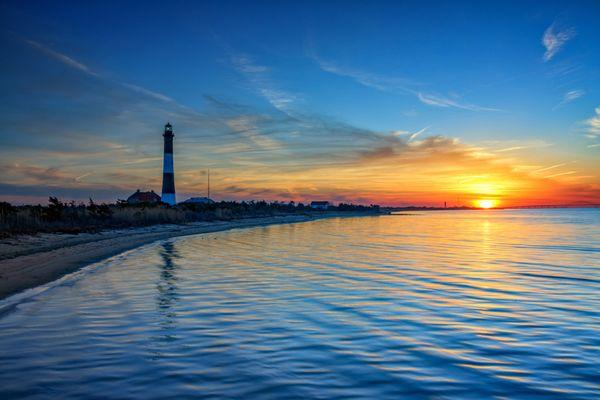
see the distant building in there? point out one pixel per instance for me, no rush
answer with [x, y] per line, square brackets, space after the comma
[143, 197]
[319, 205]
[198, 200]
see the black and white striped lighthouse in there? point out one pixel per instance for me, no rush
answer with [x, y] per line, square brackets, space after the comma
[168, 187]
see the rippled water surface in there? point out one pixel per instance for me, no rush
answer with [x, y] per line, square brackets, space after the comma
[428, 305]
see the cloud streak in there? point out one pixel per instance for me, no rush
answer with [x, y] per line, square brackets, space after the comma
[73, 63]
[413, 136]
[156, 95]
[395, 85]
[61, 57]
[593, 124]
[364, 78]
[550, 167]
[593, 128]
[258, 76]
[570, 96]
[445, 102]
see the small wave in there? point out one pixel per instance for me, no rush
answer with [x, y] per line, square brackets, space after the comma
[560, 277]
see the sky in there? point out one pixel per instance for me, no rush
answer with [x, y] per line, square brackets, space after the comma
[393, 103]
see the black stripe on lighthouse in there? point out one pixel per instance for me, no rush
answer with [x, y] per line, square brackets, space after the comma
[168, 187]
[168, 183]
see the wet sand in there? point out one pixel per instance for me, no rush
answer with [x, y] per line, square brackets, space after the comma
[30, 261]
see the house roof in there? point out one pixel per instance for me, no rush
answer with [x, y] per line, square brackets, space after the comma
[198, 200]
[144, 197]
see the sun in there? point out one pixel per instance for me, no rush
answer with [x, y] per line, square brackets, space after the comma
[485, 203]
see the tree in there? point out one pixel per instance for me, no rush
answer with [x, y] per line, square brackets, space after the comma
[99, 211]
[6, 209]
[54, 210]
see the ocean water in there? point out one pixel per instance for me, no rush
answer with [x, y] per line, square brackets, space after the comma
[444, 305]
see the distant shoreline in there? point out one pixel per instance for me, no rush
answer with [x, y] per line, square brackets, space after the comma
[28, 262]
[465, 208]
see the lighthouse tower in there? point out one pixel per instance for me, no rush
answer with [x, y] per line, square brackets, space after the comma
[168, 186]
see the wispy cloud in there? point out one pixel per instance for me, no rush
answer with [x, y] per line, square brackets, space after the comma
[550, 167]
[258, 76]
[35, 173]
[554, 39]
[61, 57]
[593, 127]
[445, 102]
[394, 85]
[570, 96]
[73, 63]
[513, 148]
[520, 145]
[80, 177]
[385, 84]
[573, 94]
[413, 136]
[156, 95]
[593, 124]
[248, 126]
[561, 70]
[560, 174]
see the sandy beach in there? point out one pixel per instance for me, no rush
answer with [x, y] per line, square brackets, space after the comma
[30, 261]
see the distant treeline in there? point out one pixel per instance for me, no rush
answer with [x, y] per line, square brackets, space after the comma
[71, 217]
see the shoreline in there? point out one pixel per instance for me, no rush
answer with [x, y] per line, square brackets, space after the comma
[32, 261]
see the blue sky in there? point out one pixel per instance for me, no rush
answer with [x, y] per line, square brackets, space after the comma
[260, 83]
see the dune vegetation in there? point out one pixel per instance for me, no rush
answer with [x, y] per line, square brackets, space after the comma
[72, 217]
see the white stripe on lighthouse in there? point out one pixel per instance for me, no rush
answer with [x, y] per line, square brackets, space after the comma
[168, 163]
[168, 198]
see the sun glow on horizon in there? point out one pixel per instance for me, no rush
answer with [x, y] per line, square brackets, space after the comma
[486, 203]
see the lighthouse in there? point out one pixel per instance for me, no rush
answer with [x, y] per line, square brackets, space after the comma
[168, 186]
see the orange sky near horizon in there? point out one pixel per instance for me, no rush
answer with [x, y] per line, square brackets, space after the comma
[394, 172]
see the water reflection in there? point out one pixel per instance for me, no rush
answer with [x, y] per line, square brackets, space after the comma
[168, 295]
[494, 304]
